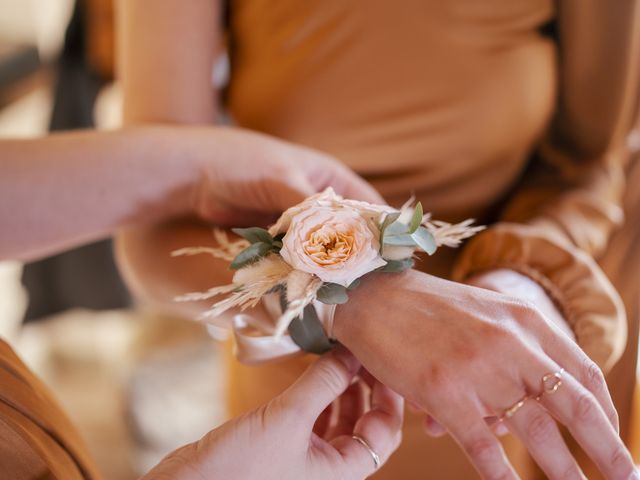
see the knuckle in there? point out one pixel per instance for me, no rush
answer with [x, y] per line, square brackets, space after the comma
[528, 310]
[484, 451]
[586, 408]
[540, 427]
[434, 378]
[332, 376]
[593, 377]
[284, 408]
[260, 418]
[501, 331]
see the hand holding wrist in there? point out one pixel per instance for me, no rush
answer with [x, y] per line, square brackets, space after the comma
[277, 442]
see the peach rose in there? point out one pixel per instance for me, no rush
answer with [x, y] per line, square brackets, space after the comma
[329, 198]
[338, 245]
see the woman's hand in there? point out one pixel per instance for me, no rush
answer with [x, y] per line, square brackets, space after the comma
[463, 354]
[233, 178]
[517, 285]
[246, 175]
[276, 441]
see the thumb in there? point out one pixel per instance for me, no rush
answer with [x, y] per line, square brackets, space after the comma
[323, 382]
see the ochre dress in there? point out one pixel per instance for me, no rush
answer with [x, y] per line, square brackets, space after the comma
[515, 112]
[37, 441]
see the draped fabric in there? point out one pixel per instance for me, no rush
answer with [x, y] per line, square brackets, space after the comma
[36, 438]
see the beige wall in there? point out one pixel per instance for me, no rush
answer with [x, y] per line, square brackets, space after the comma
[35, 21]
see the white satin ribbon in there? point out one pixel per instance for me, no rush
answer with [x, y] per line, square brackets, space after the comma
[253, 334]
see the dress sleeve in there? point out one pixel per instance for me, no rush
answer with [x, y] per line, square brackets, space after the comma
[36, 438]
[569, 201]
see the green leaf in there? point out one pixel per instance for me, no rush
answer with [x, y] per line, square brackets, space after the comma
[388, 220]
[425, 240]
[308, 334]
[251, 254]
[395, 229]
[395, 266]
[354, 284]
[416, 220]
[254, 234]
[332, 294]
[404, 240]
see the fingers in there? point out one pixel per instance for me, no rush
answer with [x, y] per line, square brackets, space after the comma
[292, 188]
[541, 435]
[579, 410]
[349, 408]
[354, 187]
[380, 428]
[568, 354]
[433, 427]
[343, 180]
[382, 424]
[323, 382]
[479, 443]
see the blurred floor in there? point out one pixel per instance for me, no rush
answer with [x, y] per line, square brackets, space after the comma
[137, 385]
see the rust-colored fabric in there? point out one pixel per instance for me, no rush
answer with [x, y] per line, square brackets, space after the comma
[36, 438]
[470, 107]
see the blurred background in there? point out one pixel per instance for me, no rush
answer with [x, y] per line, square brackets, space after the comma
[69, 316]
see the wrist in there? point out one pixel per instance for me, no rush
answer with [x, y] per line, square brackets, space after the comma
[176, 170]
[358, 314]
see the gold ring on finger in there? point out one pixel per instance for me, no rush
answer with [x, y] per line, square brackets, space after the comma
[551, 382]
[511, 411]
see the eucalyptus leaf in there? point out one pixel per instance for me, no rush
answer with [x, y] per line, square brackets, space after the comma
[308, 334]
[388, 220]
[353, 285]
[254, 234]
[332, 294]
[251, 254]
[416, 220]
[395, 266]
[395, 229]
[424, 239]
[404, 240]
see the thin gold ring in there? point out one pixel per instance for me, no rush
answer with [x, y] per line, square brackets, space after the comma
[551, 382]
[374, 455]
[511, 411]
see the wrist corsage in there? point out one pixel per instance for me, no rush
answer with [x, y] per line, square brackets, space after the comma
[315, 254]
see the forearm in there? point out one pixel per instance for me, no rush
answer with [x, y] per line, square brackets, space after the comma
[144, 259]
[72, 188]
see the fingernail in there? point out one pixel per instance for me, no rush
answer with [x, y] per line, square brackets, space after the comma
[347, 359]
